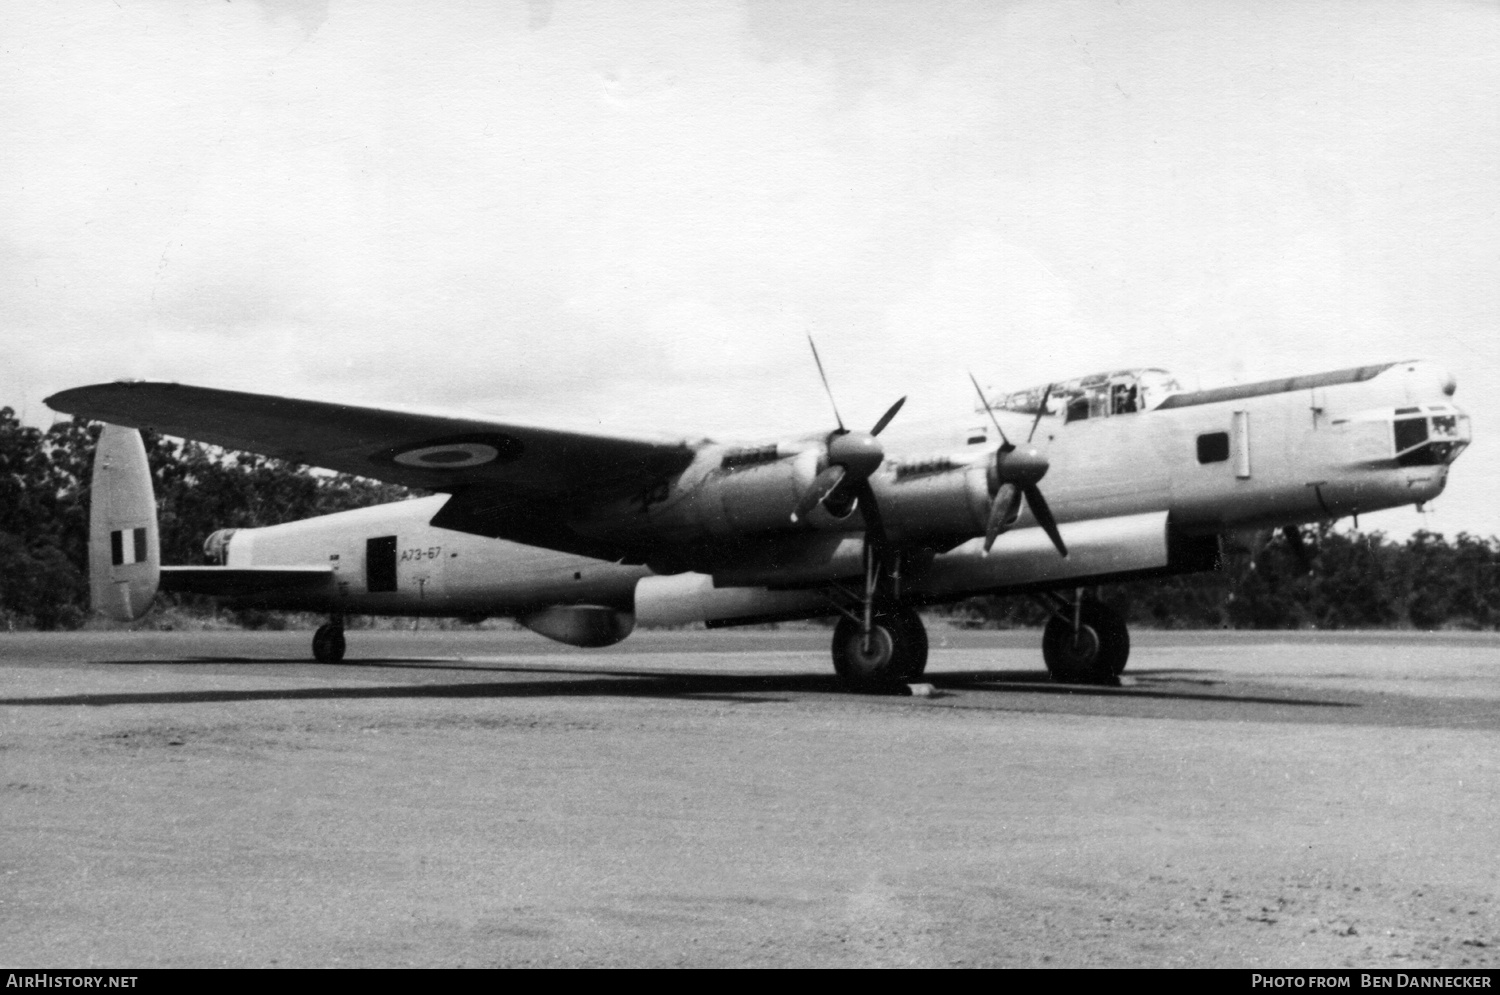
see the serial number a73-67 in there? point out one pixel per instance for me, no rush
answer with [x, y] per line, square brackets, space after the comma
[414, 554]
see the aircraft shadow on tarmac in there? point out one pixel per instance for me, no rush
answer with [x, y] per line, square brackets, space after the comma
[563, 681]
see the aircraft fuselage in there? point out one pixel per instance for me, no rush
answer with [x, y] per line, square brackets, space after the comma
[1135, 494]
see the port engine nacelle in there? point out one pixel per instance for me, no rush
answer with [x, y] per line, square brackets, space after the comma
[738, 492]
[942, 501]
[945, 501]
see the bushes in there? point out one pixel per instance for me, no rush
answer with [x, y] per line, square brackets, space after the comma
[39, 587]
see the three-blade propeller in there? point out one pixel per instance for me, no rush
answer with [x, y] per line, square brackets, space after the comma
[1013, 475]
[850, 458]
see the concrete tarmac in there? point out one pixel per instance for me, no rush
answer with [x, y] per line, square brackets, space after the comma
[712, 799]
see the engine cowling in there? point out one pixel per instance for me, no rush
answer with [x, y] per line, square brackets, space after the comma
[734, 494]
[745, 494]
[941, 501]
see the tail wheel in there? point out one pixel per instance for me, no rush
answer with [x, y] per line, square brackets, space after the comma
[328, 643]
[896, 651]
[1095, 654]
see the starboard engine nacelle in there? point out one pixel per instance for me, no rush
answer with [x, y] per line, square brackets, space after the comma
[124, 547]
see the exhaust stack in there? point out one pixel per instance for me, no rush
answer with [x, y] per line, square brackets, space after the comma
[124, 548]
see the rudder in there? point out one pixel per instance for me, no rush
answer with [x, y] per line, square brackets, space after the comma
[124, 547]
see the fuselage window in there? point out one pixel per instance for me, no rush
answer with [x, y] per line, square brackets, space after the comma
[1213, 447]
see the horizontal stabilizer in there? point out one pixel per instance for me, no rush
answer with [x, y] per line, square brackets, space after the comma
[230, 582]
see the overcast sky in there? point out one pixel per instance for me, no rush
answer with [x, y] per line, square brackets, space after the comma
[631, 214]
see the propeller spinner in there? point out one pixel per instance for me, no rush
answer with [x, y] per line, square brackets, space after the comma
[1014, 475]
[850, 458]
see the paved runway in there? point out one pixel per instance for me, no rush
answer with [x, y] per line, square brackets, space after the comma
[489, 798]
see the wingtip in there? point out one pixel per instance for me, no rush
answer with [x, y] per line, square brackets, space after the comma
[60, 400]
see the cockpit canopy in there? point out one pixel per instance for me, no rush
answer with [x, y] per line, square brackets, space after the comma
[1099, 395]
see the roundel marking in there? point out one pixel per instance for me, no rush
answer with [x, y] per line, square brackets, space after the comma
[449, 456]
[458, 452]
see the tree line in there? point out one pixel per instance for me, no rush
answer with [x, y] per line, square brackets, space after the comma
[1339, 580]
[44, 520]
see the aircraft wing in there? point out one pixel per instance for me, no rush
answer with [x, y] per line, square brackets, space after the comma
[501, 471]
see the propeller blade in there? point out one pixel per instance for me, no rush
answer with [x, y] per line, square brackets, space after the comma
[1043, 516]
[987, 410]
[885, 419]
[1040, 410]
[826, 388]
[1002, 512]
[822, 486]
[850, 458]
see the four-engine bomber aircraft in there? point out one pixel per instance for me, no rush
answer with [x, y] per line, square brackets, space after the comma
[581, 535]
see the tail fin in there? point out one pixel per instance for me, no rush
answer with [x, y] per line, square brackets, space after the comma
[124, 549]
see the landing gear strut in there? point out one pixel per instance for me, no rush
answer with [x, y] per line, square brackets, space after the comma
[879, 644]
[1085, 642]
[328, 642]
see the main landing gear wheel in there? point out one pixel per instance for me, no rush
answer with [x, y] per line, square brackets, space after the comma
[896, 651]
[1096, 654]
[328, 643]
